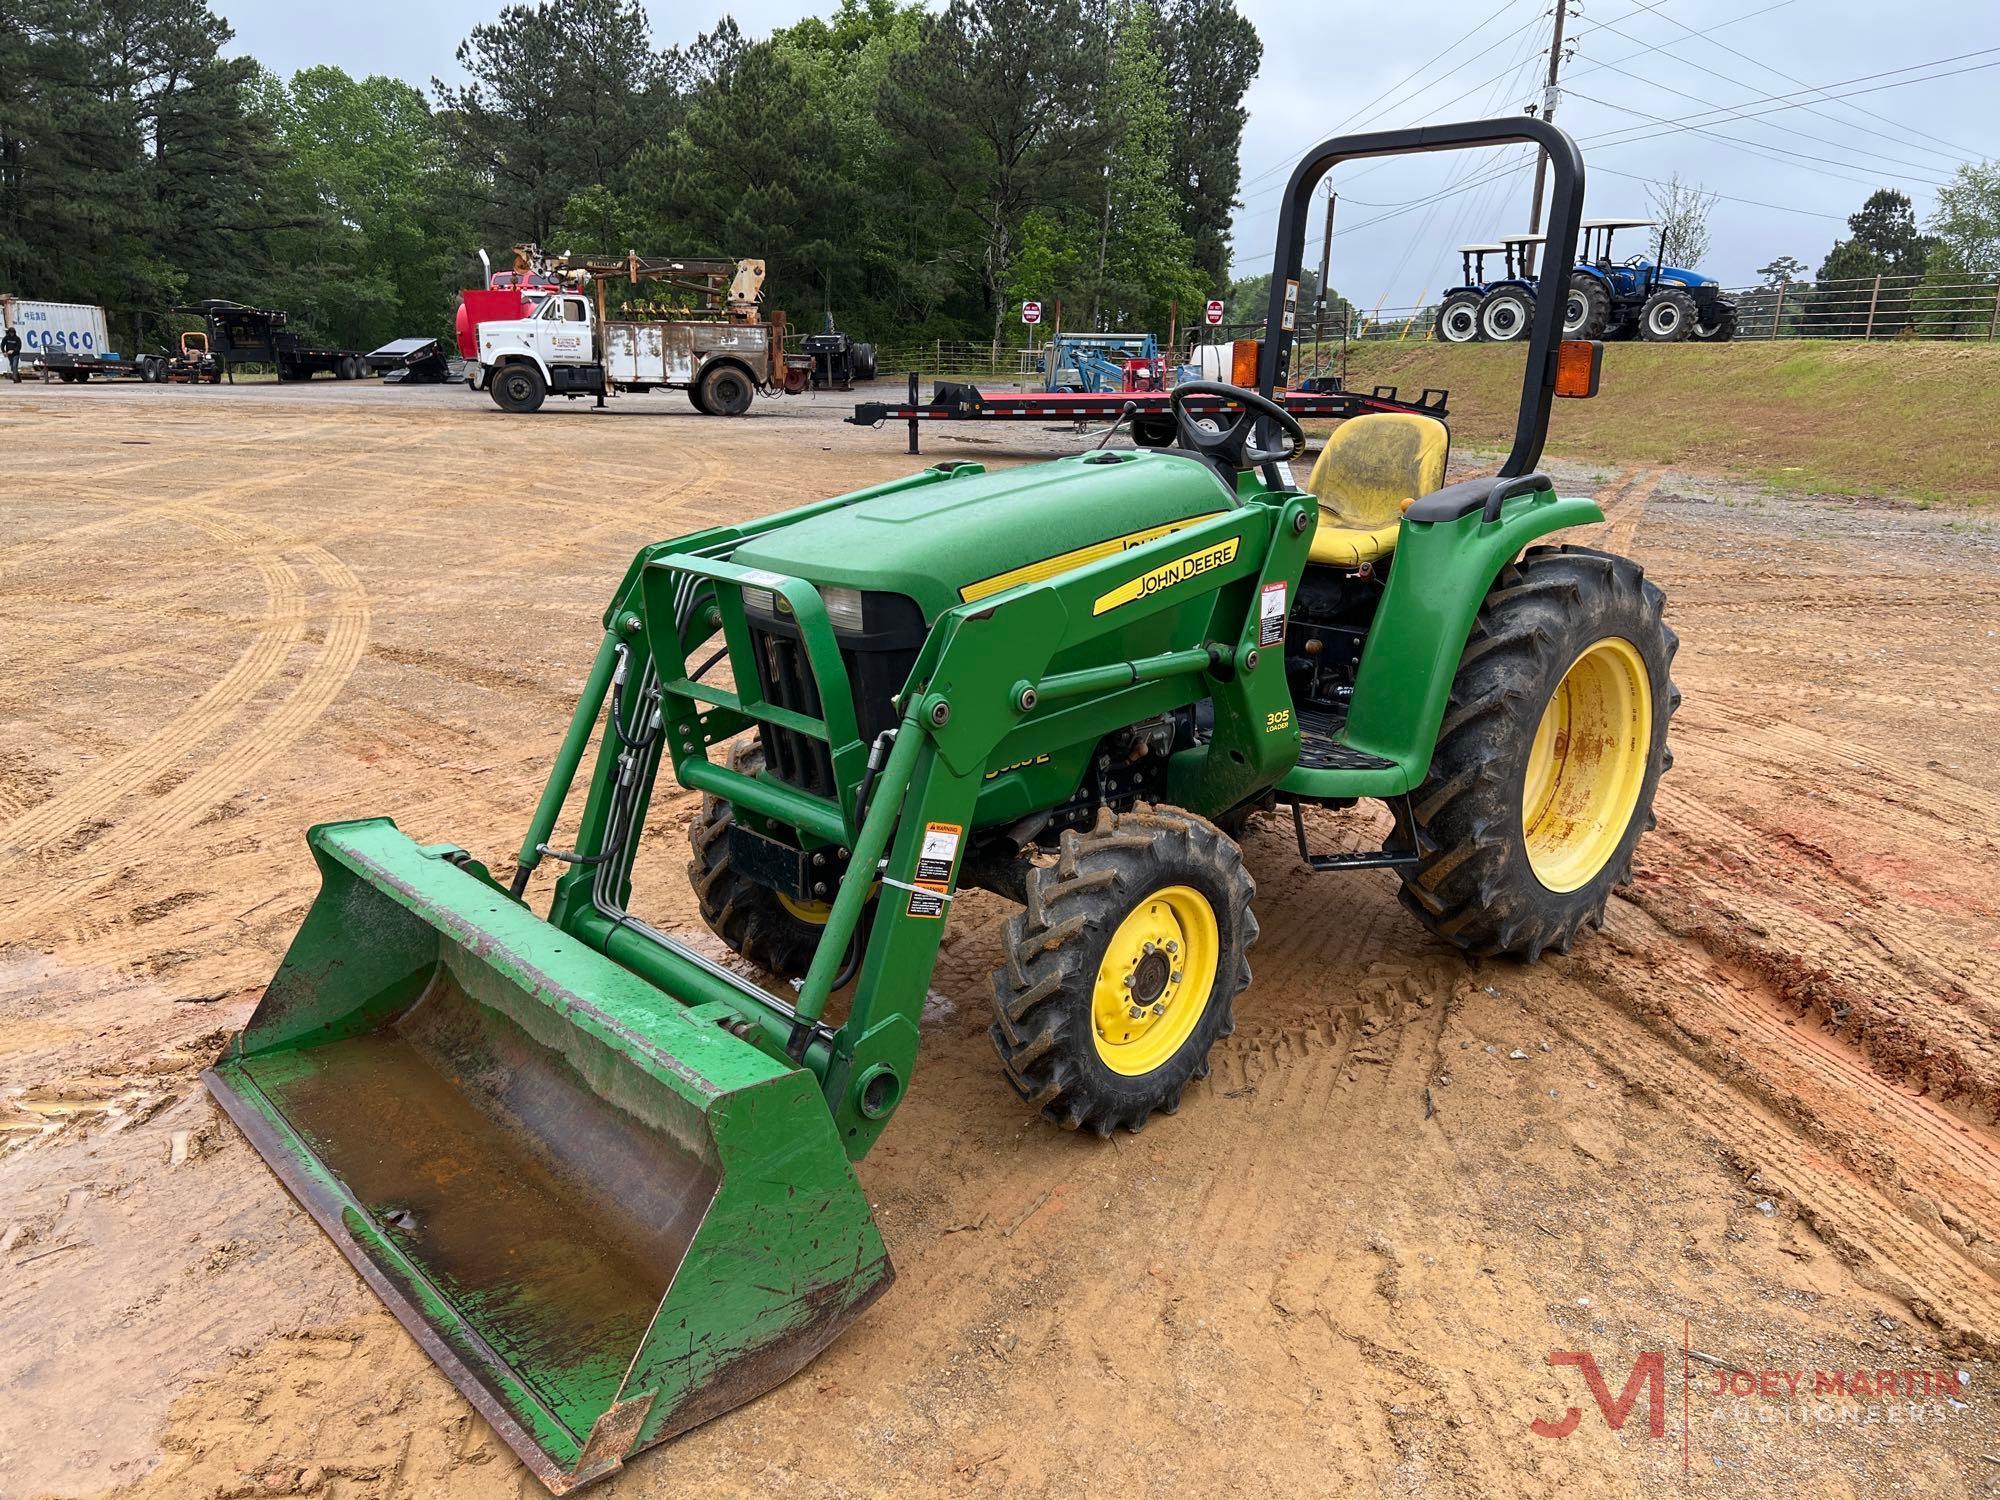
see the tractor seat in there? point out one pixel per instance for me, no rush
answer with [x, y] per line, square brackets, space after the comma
[1369, 467]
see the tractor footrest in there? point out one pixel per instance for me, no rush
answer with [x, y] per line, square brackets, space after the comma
[1405, 850]
[1320, 751]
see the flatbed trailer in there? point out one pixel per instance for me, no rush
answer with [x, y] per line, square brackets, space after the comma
[1151, 417]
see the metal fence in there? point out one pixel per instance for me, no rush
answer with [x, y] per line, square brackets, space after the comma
[1864, 307]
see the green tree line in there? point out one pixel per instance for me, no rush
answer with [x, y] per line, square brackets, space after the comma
[915, 172]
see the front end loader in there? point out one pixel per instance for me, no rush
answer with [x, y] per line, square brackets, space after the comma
[608, 1183]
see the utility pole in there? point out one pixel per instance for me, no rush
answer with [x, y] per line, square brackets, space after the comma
[1549, 95]
[1325, 257]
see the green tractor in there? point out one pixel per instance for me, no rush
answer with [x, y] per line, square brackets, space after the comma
[607, 1183]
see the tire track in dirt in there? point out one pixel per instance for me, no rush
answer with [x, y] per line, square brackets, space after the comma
[1869, 1234]
[1861, 973]
[16, 555]
[96, 794]
[229, 768]
[1626, 507]
[1824, 1085]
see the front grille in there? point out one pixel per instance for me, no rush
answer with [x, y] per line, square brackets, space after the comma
[787, 681]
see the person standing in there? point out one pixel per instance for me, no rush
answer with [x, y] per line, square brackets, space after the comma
[10, 345]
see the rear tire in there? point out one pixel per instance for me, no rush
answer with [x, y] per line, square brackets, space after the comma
[1588, 310]
[725, 390]
[1546, 766]
[1506, 314]
[518, 387]
[1458, 318]
[1123, 968]
[776, 935]
[1667, 318]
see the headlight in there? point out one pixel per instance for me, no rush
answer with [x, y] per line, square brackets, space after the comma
[760, 601]
[843, 606]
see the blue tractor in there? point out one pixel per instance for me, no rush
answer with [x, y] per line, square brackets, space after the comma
[1637, 297]
[1497, 311]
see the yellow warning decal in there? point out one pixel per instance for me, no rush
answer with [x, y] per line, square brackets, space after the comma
[1062, 562]
[1188, 565]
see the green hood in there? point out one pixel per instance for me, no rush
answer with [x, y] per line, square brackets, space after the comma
[943, 543]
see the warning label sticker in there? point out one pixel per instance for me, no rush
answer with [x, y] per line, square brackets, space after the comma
[1271, 615]
[935, 858]
[939, 852]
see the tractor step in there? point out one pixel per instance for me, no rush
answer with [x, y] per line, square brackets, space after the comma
[1366, 859]
[1320, 750]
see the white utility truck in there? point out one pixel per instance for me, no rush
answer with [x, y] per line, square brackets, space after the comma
[692, 325]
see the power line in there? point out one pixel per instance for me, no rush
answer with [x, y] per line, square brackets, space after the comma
[1804, 135]
[1759, 148]
[1745, 110]
[1406, 79]
[1963, 152]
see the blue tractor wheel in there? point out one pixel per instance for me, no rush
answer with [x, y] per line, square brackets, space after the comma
[1668, 317]
[1458, 318]
[1587, 313]
[1505, 314]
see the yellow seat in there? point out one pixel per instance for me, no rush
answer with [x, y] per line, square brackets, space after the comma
[1369, 467]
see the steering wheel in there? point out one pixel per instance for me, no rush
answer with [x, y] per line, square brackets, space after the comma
[1228, 447]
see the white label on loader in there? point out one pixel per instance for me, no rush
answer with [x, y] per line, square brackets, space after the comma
[1291, 318]
[1271, 615]
[938, 854]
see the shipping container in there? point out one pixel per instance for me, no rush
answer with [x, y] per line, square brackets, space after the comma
[65, 327]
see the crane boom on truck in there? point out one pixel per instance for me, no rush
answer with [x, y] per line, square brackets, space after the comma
[681, 323]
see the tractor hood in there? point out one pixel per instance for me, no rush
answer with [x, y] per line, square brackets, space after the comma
[946, 544]
[1676, 276]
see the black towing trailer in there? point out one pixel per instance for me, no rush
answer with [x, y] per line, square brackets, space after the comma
[240, 335]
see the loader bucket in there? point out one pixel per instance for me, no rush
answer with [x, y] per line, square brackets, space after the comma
[606, 1218]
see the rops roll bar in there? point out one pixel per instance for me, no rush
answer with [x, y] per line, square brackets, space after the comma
[1538, 382]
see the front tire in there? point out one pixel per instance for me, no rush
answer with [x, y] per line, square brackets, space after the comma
[1123, 968]
[775, 933]
[1550, 754]
[1506, 314]
[1720, 329]
[518, 387]
[1667, 318]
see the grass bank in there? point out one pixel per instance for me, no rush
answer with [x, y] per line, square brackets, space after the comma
[1913, 421]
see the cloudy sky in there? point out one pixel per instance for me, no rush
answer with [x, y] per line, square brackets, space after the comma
[1918, 99]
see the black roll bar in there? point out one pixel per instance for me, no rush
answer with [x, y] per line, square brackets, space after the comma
[1538, 383]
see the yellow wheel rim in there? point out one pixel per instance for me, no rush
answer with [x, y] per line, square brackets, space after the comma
[1154, 983]
[815, 912]
[1587, 765]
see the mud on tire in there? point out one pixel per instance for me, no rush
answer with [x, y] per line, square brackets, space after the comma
[747, 916]
[1043, 994]
[1477, 888]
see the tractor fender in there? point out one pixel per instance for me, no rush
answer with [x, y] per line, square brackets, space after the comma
[1440, 576]
[1584, 268]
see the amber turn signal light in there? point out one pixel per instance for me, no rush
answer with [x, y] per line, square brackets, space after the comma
[1578, 364]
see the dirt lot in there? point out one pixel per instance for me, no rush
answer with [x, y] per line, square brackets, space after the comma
[1750, 1126]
